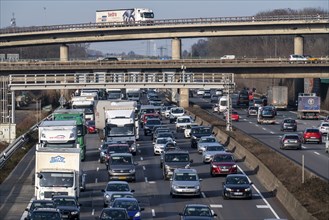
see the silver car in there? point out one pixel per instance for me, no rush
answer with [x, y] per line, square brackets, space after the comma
[113, 187]
[185, 182]
[211, 150]
[205, 141]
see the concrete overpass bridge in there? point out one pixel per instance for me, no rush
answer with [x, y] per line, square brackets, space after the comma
[174, 29]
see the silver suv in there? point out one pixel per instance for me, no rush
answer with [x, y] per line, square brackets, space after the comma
[185, 182]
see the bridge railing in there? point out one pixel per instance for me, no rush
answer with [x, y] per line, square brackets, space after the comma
[165, 22]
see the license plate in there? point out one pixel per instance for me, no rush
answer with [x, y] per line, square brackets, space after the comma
[238, 193]
[293, 141]
[313, 137]
[122, 177]
[224, 170]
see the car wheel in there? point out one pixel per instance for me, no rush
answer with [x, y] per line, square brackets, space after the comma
[212, 174]
[225, 197]
[104, 205]
[172, 195]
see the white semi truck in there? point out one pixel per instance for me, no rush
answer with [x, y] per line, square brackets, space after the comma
[118, 122]
[58, 134]
[58, 172]
[133, 94]
[86, 103]
[131, 15]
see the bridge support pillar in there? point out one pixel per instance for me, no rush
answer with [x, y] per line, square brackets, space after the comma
[64, 53]
[299, 45]
[176, 55]
[184, 98]
[176, 48]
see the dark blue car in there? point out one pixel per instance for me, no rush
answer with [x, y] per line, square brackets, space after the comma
[131, 205]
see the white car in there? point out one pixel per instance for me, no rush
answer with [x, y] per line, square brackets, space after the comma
[210, 150]
[176, 112]
[324, 128]
[187, 131]
[205, 141]
[160, 144]
[200, 92]
[296, 57]
[182, 122]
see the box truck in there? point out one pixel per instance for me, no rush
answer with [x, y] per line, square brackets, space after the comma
[278, 97]
[58, 172]
[308, 106]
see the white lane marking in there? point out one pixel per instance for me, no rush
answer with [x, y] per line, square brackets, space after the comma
[96, 180]
[303, 147]
[146, 180]
[144, 168]
[250, 122]
[272, 132]
[203, 195]
[265, 201]
[256, 125]
[153, 213]
[316, 153]
[262, 206]
[97, 169]
[264, 129]
[141, 158]
[256, 195]
[93, 212]
[216, 206]
[152, 182]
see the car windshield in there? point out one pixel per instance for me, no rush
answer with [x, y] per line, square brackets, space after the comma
[177, 158]
[197, 211]
[64, 202]
[121, 160]
[237, 180]
[113, 214]
[177, 111]
[208, 140]
[153, 122]
[183, 120]
[223, 158]
[117, 187]
[185, 177]
[162, 140]
[215, 148]
[118, 149]
[292, 137]
[42, 205]
[289, 121]
[129, 205]
[312, 130]
[201, 131]
[162, 135]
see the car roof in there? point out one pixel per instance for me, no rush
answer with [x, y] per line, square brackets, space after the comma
[237, 175]
[177, 151]
[223, 153]
[126, 199]
[65, 197]
[197, 205]
[117, 182]
[183, 170]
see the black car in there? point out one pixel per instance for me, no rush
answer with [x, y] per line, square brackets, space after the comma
[150, 123]
[197, 132]
[288, 124]
[39, 204]
[46, 213]
[68, 206]
[237, 186]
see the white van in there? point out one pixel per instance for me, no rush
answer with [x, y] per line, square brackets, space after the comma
[228, 57]
[222, 104]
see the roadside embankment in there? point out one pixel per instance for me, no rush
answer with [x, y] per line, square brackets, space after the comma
[278, 174]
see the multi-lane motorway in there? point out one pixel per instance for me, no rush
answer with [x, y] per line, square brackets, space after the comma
[153, 192]
[315, 158]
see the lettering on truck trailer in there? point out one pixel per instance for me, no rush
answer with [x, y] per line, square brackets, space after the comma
[57, 159]
[112, 14]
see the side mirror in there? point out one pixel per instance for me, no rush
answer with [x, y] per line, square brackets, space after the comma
[191, 161]
[132, 190]
[103, 190]
[181, 214]
[142, 209]
[200, 179]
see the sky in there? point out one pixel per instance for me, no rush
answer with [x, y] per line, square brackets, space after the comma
[54, 12]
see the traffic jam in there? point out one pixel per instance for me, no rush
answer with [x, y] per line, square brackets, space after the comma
[126, 135]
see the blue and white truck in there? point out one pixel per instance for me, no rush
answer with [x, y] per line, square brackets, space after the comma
[308, 106]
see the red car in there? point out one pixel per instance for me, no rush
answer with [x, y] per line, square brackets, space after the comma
[223, 163]
[235, 115]
[312, 135]
[90, 126]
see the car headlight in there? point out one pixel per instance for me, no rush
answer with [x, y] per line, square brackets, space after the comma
[133, 146]
[107, 196]
[194, 137]
[167, 167]
[74, 213]
[228, 189]
[187, 166]
[174, 186]
[138, 214]
[234, 166]
[146, 127]
[132, 171]
[197, 187]
[247, 190]
[214, 166]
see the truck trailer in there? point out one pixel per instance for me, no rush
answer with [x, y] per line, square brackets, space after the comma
[308, 106]
[278, 97]
[128, 16]
[118, 122]
[86, 103]
[58, 172]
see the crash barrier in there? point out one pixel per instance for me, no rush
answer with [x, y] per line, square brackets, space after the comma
[17, 143]
[264, 175]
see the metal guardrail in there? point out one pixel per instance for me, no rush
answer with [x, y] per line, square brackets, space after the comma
[17, 143]
[308, 18]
